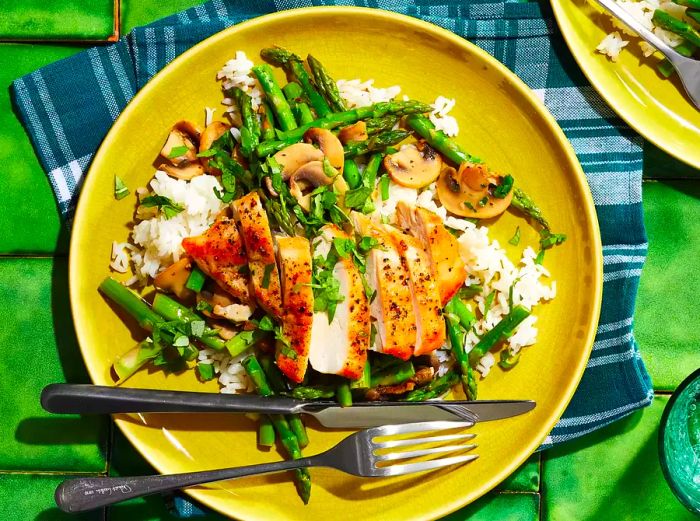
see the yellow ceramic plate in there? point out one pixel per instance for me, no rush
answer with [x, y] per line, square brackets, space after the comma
[501, 120]
[655, 107]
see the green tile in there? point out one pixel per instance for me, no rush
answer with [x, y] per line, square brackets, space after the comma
[611, 475]
[29, 222]
[500, 506]
[63, 20]
[526, 478]
[40, 348]
[30, 497]
[137, 12]
[668, 289]
[659, 165]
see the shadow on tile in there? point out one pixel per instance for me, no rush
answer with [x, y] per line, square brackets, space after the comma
[54, 514]
[56, 431]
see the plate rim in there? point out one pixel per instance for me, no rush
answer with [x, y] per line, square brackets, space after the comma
[627, 116]
[452, 504]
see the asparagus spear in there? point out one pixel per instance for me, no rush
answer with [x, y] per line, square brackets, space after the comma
[457, 316]
[343, 394]
[363, 381]
[393, 375]
[171, 309]
[436, 388]
[134, 359]
[294, 67]
[302, 477]
[694, 13]
[268, 125]
[376, 125]
[316, 392]
[131, 303]
[499, 332]
[274, 95]
[326, 85]
[266, 431]
[301, 110]
[378, 142]
[694, 4]
[439, 140]
[526, 205]
[679, 27]
[351, 173]
[277, 384]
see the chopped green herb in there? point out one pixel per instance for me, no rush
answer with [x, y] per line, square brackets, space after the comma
[502, 190]
[470, 291]
[488, 302]
[197, 327]
[168, 207]
[384, 187]
[177, 152]
[372, 334]
[181, 341]
[549, 239]
[540, 257]
[515, 239]
[470, 206]
[328, 168]
[483, 201]
[243, 341]
[287, 351]
[509, 360]
[196, 280]
[120, 189]
[266, 275]
[343, 247]
[206, 371]
[358, 197]
[207, 153]
[203, 305]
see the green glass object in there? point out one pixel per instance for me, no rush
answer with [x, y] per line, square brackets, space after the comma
[679, 442]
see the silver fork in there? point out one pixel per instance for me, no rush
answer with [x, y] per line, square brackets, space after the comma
[356, 455]
[688, 69]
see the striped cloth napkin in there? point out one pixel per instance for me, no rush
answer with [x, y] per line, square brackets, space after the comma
[68, 107]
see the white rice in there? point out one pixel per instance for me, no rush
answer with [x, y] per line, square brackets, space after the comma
[441, 118]
[643, 12]
[158, 240]
[357, 93]
[231, 375]
[237, 72]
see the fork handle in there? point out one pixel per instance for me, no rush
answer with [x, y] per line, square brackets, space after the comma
[83, 494]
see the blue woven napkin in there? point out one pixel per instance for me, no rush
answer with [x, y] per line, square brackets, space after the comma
[68, 107]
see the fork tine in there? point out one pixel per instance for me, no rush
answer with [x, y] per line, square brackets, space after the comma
[418, 441]
[408, 468]
[407, 428]
[423, 452]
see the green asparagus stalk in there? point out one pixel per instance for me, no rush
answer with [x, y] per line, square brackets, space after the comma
[351, 173]
[134, 359]
[693, 4]
[454, 322]
[439, 140]
[685, 48]
[393, 375]
[521, 201]
[376, 125]
[274, 95]
[315, 392]
[287, 436]
[363, 381]
[131, 303]
[243, 341]
[500, 331]
[196, 280]
[301, 110]
[171, 309]
[671, 23]
[694, 13]
[434, 389]
[267, 126]
[248, 115]
[266, 432]
[294, 67]
[343, 394]
[375, 143]
[326, 85]
[462, 311]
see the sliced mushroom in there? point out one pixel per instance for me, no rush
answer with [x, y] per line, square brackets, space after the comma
[473, 191]
[234, 312]
[414, 166]
[190, 128]
[295, 156]
[185, 171]
[213, 132]
[310, 174]
[330, 145]
[355, 132]
[178, 140]
[174, 277]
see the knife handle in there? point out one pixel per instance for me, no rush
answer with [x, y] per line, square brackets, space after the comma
[97, 399]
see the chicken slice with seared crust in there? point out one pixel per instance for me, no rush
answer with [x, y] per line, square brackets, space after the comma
[255, 231]
[294, 254]
[340, 347]
[220, 253]
[447, 266]
[430, 328]
[392, 307]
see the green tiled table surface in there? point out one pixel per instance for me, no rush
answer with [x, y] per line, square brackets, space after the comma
[611, 475]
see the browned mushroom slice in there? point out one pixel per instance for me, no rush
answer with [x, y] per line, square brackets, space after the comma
[178, 148]
[331, 147]
[213, 132]
[174, 277]
[184, 171]
[309, 175]
[473, 191]
[414, 166]
[355, 132]
[295, 156]
[190, 128]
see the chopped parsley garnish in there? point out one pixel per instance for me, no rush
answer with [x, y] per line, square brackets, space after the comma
[266, 275]
[357, 198]
[509, 360]
[484, 200]
[515, 239]
[540, 257]
[488, 302]
[206, 371]
[549, 239]
[203, 305]
[197, 327]
[502, 190]
[120, 189]
[207, 153]
[384, 187]
[470, 291]
[470, 206]
[177, 151]
[167, 206]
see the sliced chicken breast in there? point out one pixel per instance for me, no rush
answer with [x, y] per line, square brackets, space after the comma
[447, 266]
[392, 307]
[221, 254]
[340, 347]
[255, 230]
[430, 327]
[294, 254]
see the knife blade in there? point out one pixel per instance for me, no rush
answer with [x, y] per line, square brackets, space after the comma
[96, 399]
